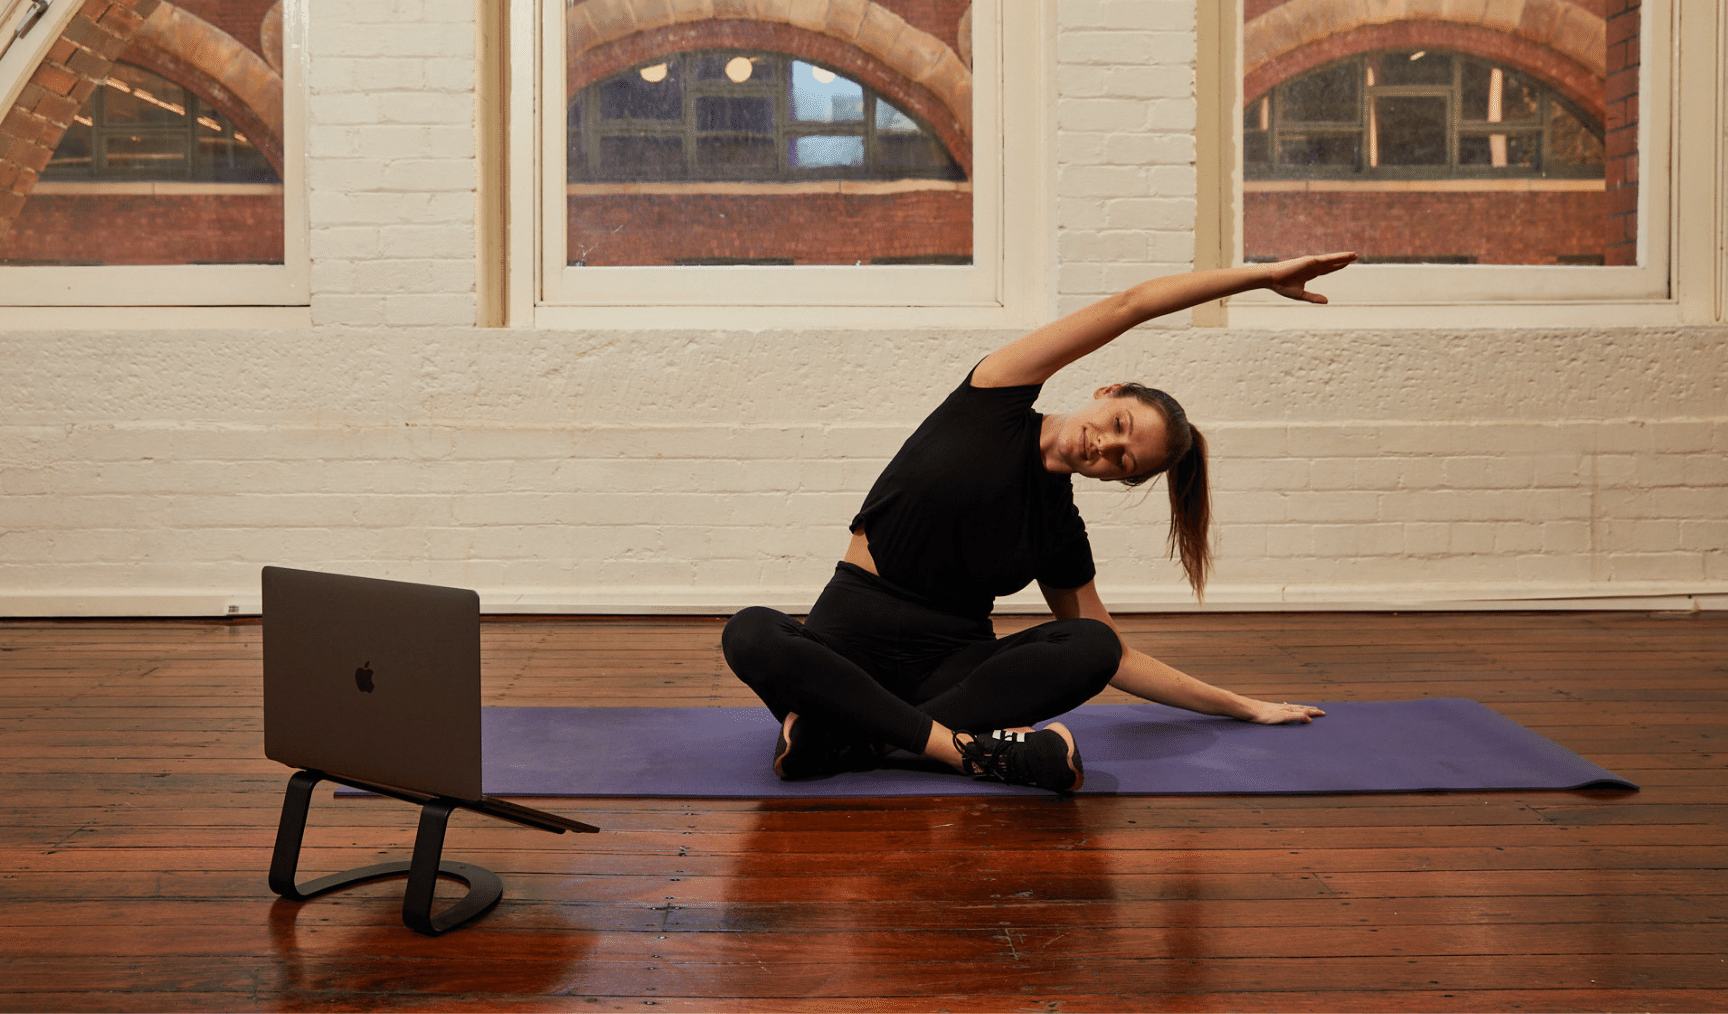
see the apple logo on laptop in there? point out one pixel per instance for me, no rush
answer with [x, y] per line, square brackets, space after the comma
[363, 677]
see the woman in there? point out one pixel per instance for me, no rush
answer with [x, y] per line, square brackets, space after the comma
[899, 650]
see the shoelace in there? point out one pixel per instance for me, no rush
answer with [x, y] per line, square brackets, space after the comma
[990, 758]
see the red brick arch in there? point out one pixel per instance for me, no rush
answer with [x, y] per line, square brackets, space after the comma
[913, 69]
[1558, 41]
[1573, 80]
[185, 48]
[75, 65]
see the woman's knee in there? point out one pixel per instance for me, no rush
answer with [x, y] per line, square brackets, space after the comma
[752, 631]
[1095, 646]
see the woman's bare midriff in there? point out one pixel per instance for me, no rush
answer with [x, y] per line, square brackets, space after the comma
[858, 553]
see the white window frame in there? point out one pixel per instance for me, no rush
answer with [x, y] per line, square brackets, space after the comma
[176, 295]
[1010, 283]
[1677, 280]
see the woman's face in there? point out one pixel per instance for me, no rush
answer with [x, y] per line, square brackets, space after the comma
[1112, 437]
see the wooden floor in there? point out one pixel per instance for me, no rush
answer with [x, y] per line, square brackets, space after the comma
[138, 812]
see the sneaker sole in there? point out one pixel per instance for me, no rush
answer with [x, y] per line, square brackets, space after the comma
[782, 747]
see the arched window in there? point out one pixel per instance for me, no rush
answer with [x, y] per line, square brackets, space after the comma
[744, 115]
[142, 126]
[1417, 114]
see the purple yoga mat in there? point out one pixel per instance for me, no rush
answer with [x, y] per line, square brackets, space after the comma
[1129, 749]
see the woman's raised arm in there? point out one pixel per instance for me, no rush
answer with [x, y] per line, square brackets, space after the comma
[1036, 357]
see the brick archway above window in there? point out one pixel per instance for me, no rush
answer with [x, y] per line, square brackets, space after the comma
[184, 47]
[911, 68]
[1552, 24]
[1557, 40]
[270, 35]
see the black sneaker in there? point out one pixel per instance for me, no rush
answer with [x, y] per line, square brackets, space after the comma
[808, 749]
[1046, 759]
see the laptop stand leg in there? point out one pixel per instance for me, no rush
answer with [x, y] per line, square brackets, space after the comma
[484, 887]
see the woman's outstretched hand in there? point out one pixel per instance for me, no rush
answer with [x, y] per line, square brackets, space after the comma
[1290, 278]
[1268, 713]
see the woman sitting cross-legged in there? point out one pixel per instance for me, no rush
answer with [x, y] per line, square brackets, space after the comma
[899, 651]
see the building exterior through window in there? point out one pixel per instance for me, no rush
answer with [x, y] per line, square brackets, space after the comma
[734, 155]
[1442, 136]
[174, 153]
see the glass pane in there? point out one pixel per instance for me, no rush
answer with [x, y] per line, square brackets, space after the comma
[1570, 143]
[1500, 151]
[1410, 67]
[892, 120]
[137, 98]
[223, 154]
[1410, 130]
[823, 151]
[652, 92]
[724, 112]
[1495, 95]
[916, 155]
[636, 158]
[819, 94]
[155, 154]
[734, 156]
[1326, 96]
[1256, 148]
[1321, 150]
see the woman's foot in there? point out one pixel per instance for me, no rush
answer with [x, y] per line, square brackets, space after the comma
[1046, 759]
[808, 750]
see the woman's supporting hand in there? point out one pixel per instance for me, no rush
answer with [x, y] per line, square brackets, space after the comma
[1290, 278]
[1267, 713]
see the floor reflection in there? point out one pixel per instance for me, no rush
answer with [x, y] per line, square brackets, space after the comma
[353, 944]
[947, 897]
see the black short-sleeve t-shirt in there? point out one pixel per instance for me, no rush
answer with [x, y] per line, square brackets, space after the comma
[966, 511]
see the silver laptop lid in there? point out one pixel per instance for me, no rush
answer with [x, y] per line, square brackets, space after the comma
[376, 680]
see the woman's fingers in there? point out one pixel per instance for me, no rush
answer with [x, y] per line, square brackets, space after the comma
[1293, 275]
[1285, 712]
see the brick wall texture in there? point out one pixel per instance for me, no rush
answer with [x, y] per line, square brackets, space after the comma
[1491, 228]
[806, 229]
[173, 229]
[152, 465]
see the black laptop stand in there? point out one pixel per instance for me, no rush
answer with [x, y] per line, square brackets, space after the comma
[484, 887]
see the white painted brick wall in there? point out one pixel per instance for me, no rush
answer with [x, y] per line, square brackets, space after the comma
[156, 471]
[392, 170]
[1125, 150]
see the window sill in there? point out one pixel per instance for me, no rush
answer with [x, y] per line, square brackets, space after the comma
[1399, 316]
[157, 318]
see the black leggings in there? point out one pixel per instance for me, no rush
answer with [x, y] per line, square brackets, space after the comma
[876, 662]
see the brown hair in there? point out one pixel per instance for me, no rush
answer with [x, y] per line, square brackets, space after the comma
[1190, 496]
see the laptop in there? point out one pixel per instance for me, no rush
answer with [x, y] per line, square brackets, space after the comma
[377, 681]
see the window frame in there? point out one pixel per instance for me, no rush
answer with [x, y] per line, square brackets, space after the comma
[1009, 283]
[146, 295]
[1678, 253]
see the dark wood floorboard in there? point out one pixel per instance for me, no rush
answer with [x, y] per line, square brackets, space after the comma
[138, 814]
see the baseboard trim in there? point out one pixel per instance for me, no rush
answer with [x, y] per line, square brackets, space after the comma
[643, 601]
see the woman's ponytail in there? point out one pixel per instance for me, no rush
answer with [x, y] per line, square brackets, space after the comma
[1191, 513]
[1185, 474]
